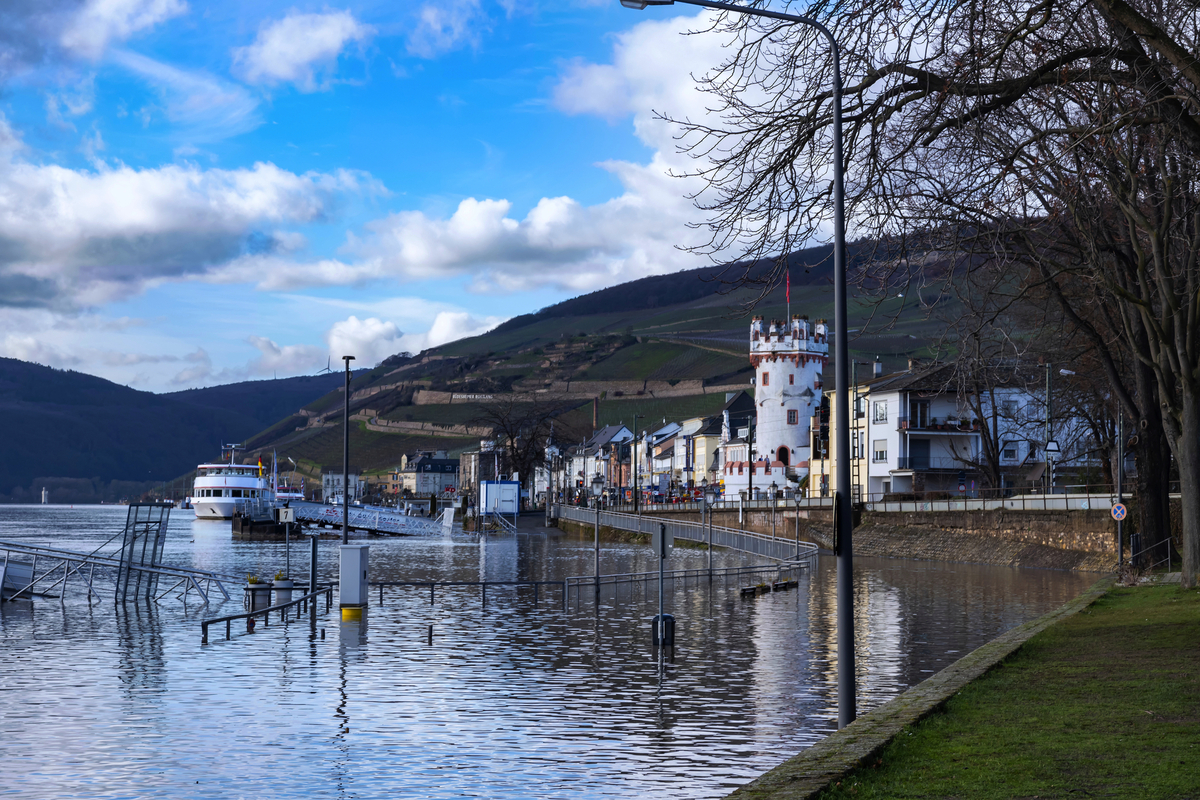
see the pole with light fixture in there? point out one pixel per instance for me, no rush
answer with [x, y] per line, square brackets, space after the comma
[597, 490]
[843, 526]
[346, 457]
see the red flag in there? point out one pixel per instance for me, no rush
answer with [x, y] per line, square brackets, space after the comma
[789, 286]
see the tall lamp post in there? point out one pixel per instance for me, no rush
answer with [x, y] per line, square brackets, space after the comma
[346, 457]
[843, 528]
[634, 462]
[597, 490]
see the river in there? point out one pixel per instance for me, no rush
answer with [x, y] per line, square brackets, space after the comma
[511, 700]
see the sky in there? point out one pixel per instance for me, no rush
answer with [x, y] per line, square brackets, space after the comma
[195, 193]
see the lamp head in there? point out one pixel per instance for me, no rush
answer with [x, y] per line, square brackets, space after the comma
[640, 5]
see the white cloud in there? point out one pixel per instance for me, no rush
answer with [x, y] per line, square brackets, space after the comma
[203, 108]
[445, 25]
[289, 359]
[369, 340]
[79, 237]
[295, 48]
[101, 22]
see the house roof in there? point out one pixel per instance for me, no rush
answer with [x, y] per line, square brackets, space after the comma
[607, 434]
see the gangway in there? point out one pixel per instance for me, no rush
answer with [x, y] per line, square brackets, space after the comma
[374, 519]
[134, 567]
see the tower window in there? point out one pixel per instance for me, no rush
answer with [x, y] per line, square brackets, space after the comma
[793, 417]
[791, 380]
[766, 379]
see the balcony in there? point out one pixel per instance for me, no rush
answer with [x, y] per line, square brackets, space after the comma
[946, 424]
[930, 463]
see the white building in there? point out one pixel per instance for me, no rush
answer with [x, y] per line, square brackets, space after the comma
[788, 361]
[913, 432]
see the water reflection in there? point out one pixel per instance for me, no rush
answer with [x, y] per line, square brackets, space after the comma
[455, 698]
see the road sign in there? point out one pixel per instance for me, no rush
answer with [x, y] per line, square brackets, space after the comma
[656, 541]
[1119, 511]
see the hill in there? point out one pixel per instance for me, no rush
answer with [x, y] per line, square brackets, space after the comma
[87, 439]
[661, 347]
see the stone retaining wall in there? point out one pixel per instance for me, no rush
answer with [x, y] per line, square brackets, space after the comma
[1069, 540]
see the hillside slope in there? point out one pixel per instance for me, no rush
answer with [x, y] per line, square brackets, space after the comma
[76, 434]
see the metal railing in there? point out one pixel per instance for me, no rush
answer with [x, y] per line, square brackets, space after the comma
[779, 548]
[482, 587]
[578, 582]
[71, 563]
[1135, 557]
[303, 601]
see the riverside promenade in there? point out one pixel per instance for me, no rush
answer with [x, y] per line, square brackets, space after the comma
[1098, 698]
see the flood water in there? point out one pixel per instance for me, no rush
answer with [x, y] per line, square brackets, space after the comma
[511, 700]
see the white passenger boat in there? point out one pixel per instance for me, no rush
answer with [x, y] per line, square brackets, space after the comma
[221, 489]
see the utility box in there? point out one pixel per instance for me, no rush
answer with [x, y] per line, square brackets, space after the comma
[352, 575]
[500, 497]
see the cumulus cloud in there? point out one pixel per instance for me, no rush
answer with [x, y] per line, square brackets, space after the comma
[445, 25]
[369, 340]
[100, 22]
[79, 237]
[288, 359]
[297, 47]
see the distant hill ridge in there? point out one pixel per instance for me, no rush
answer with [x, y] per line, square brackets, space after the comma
[814, 265]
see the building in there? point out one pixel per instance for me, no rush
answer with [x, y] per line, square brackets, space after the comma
[331, 485]
[772, 442]
[426, 473]
[912, 432]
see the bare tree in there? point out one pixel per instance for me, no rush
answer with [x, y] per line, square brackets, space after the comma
[1053, 139]
[522, 429]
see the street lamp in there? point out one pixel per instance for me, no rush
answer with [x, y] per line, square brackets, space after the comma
[843, 528]
[597, 489]
[346, 457]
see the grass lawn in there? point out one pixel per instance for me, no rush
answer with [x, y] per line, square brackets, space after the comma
[1104, 704]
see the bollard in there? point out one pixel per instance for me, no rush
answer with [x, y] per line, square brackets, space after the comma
[668, 630]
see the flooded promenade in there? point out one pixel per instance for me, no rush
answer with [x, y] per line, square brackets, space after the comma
[454, 699]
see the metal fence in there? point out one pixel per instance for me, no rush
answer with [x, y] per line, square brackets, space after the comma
[779, 548]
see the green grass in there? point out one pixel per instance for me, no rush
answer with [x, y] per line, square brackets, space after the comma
[1104, 704]
[634, 363]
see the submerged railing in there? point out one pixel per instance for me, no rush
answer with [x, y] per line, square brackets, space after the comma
[303, 603]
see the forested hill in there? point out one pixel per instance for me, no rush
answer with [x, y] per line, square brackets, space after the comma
[808, 267]
[88, 439]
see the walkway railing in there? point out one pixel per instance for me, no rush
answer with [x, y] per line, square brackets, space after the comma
[580, 582]
[778, 548]
[483, 587]
[65, 564]
[301, 603]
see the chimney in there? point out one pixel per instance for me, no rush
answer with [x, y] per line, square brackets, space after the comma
[878, 367]
[913, 363]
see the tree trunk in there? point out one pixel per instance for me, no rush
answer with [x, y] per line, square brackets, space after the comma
[1187, 456]
[1153, 480]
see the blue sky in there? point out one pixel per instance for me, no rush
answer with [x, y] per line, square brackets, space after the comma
[196, 193]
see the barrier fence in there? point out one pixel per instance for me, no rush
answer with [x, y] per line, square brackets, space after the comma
[780, 548]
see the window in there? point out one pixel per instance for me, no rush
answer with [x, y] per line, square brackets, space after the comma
[860, 407]
[766, 379]
[791, 380]
[879, 450]
[881, 411]
[1008, 408]
[1009, 453]
[793, 417]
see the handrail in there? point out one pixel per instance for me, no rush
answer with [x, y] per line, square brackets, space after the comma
[266, 612]
[482, 584]
[1133, 558]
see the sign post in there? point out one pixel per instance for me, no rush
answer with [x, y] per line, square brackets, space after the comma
[664, 624]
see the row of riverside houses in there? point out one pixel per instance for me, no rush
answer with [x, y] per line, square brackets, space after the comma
[911, 433]
[421, 474]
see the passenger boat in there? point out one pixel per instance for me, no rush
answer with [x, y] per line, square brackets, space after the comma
[221, 489]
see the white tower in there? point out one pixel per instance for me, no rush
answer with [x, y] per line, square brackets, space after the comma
[788, 363]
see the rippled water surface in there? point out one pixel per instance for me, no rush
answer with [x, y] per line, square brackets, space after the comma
[454, 699]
